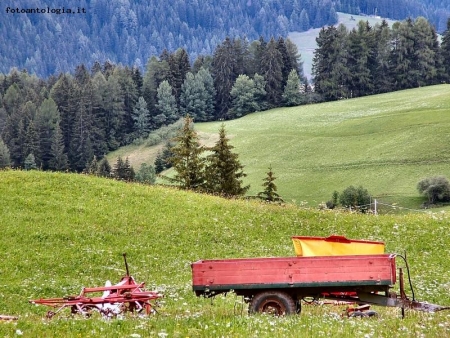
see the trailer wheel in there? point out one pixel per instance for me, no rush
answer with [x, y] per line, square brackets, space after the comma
[276, 303]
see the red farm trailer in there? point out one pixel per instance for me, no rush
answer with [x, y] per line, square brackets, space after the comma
[278, 285]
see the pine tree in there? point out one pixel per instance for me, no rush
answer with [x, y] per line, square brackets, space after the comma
[47, 120]
[445, 52]
[92, 167]
[192, 100]
[243, 94]
[272, 67]
[167, 105]
[291, 94]
[58, 160]
[30, 163]
[223, 170]
[186, 158]
[141, 118]
[270, 189]
[104, 168]
[224, 73]
[359, 82]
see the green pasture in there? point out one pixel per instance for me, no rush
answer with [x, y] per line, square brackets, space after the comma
[61, 232]
[386, 143]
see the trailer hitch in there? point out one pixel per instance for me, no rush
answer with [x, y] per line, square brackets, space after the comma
[402, 301]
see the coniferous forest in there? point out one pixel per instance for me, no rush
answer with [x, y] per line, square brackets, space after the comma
[65, 120]
[59, 115]
[129, 32]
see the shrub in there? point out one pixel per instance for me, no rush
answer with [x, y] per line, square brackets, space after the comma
[436, 189]
[355, 198]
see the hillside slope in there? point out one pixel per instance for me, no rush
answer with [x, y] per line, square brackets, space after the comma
[61, 232]
[386, 143]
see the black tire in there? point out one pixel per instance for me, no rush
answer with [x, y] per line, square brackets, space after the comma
[276, 303]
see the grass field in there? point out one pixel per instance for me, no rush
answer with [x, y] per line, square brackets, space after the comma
[61, 232]
[386, 143]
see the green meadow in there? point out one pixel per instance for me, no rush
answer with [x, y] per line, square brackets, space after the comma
[386, 143]
[61, 232]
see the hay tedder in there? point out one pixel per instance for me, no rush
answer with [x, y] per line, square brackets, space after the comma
[109, 300]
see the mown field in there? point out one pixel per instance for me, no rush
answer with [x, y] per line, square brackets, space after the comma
[61, 232]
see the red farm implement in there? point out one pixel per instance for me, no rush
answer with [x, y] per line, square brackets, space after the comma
[109, 300]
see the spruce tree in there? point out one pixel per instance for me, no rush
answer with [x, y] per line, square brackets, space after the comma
[58, 160]
[291, 94]
[141, 118]
[104, 168]
[272, 68]
[270, 189]
[224, 69]
[167, 105]
[30, 162]
[445, 53]
[223, 170]
[92, 167]
[186, 158]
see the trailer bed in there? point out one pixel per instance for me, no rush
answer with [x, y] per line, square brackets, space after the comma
[303, 275]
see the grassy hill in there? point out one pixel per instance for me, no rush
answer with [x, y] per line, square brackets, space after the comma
[386, 143]
[61, 232]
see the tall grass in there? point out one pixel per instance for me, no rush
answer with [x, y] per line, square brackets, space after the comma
[61, 232]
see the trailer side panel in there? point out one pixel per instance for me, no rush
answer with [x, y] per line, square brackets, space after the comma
[294, 272]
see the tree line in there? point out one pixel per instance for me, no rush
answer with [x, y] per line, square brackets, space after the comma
[371, 60]
[65, 121]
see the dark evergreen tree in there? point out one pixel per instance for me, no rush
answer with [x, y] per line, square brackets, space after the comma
[65, 96]
[426, 53]
[359, 52]
[223, 170]
[58, 160]
[380, 68]
[104, 168]
[329, 63]
[402, 56]
[92, 167]
[224, 73]
[32, 141]
[47, 120]
[179, 66]
[272, 70]
[270, 189]
[445, 52]
[186, 158]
